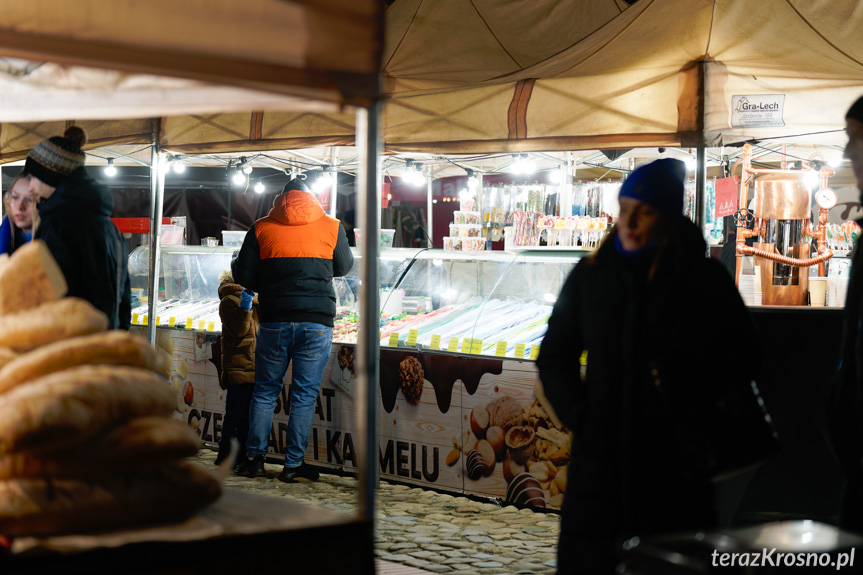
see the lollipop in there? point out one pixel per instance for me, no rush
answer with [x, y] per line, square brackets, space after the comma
[544, 223]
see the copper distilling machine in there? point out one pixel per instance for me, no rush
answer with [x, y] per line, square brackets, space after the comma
[781, 220]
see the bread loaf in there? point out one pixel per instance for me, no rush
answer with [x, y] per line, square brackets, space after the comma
[55, 506]
[7, 355]
[140, 443]
[30, 278]
[112, 348]
[49, 322]
[69, 406]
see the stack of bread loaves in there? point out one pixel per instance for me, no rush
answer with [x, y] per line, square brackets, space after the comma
[86, 438]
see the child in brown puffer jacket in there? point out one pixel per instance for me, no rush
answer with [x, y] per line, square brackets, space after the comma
[238, 311]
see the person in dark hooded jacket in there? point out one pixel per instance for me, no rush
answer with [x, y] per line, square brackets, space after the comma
[75, 224]
[647, 304]
[290, 258]
[845, 414]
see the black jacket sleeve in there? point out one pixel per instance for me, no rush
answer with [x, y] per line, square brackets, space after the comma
[244, 266]
[62, 244]
[343, 259]
[558, 361]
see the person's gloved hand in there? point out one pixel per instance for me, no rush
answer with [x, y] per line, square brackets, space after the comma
[246, 300]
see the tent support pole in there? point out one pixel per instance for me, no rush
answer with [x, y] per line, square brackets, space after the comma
[334, 187]
[368, 342]
[429, 211]
[566, 186]
[700, 187]
[157, 194]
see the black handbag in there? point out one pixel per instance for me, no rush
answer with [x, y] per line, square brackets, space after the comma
[723, 431]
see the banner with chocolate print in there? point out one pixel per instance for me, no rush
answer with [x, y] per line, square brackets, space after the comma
[448, 421]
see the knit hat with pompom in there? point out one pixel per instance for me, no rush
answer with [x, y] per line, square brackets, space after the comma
[57, 157]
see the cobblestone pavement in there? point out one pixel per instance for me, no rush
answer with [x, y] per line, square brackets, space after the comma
[428, 530]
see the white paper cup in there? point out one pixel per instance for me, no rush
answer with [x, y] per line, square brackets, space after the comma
[817, 291]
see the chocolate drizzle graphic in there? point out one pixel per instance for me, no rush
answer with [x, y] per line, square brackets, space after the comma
[439, 369]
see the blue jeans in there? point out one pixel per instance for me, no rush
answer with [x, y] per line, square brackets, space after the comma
[308, 345]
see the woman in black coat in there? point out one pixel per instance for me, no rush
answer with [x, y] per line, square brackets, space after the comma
[647, 307]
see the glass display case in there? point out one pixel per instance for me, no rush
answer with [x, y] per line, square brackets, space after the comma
[485, 303]
[393, 263]
[188, 285]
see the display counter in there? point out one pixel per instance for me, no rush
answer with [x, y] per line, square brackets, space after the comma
[459, 333]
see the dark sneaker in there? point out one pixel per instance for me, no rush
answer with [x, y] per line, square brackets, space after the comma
[303, 471]
[253, 467]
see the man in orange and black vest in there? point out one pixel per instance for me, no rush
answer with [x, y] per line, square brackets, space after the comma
[290, 258]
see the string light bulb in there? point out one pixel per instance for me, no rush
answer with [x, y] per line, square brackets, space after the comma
[178, 165]
[528, 167]
[407, 175]
[259, 187]
[238, 178]
[690, 163]
[472, 180]
[417, 177]
[110, 170]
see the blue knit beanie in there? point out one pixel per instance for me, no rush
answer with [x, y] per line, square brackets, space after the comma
[658, 184]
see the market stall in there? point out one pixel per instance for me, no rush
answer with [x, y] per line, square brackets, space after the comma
[148, 62]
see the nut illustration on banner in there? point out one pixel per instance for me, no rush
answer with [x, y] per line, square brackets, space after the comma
[526, 491]
[527, 439]
[494, 435]
[346, 359]
[506, 412]
[520, 441]
[511, 468]
[411, 376]
[188, 393]
[452, 457]
[479, 421]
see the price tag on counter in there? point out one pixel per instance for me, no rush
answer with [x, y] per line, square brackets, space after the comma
[412, 337]
[500, 349]
[188, 323]
[453, 344]
[144, 321]
[519, 351]
[435, 342]
[583, 359]
[171, 321]
[465, 345]
[476, 346]
[534, 351]
[201, 325]
[134, 319]
[394, 339]
[158, 320]
[211, 326]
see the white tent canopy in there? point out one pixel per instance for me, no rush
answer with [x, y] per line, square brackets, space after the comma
[460, 78]
[661, 72]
